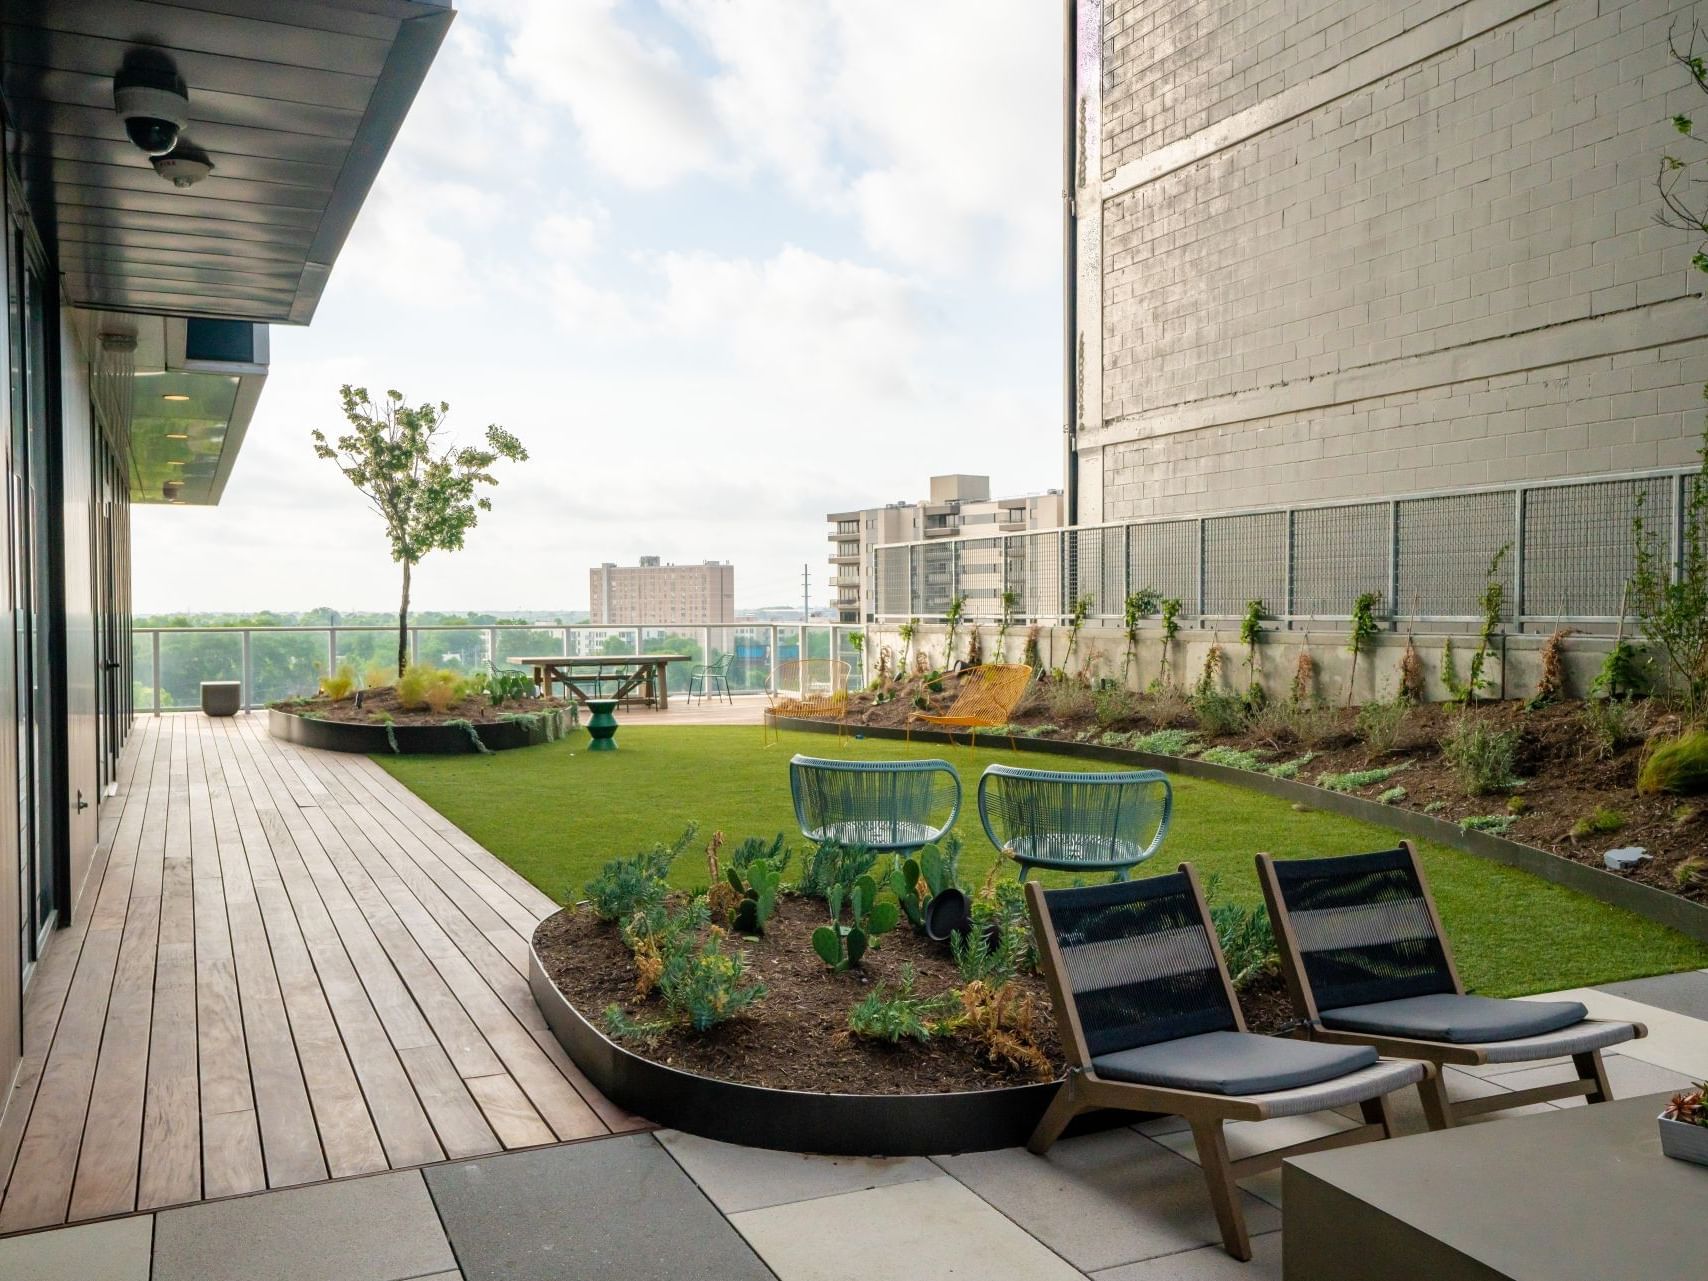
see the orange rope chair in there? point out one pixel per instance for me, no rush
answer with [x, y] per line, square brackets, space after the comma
[815, 686]
[986, 699]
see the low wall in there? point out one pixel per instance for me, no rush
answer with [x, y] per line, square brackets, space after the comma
[1513, 666]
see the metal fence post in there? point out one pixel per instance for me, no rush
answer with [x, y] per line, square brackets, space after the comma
[1679, 492]
[248, 674]
[1394, 559]
[156, 673]
[414, 645]
[1203, 576]
[492, 646]
[771, 652]
[1290, 592]
[1518, 494]
[331, 650]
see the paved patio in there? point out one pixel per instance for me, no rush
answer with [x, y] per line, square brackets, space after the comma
[295, 972]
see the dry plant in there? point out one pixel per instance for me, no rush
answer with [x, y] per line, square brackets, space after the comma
[721, 896]
[1411, 674]
[1003, 1023]
[1551, 684]
[1305, 679]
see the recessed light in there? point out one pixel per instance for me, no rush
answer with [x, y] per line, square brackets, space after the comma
[174, 395]
[177, 435]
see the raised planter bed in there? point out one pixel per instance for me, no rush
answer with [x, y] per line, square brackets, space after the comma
[408, 740]
[1684, 915]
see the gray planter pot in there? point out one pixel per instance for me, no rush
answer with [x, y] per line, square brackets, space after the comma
[1683, 1141]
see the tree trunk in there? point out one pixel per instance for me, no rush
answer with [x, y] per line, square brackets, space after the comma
[403, 625]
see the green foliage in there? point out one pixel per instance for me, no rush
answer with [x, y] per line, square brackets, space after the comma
[1232, 757]
[757, 885]
[1671, 602]
[841, 946]
[1042, 731]
[1494, 824]
[1361, 778]
[1138, 606]
[1000, 910]
[1393, 796]
[1492, 601]
[1678, 766]
[508, 685]
[1290, 769]
[475, 740]
[1077, 614]
[1381, 722]
[832, 864]
[992, 956]
[429, 494]
[1609, 724]
[703, 985]
[340, 684]
[627, 885]
[905, 633]
[775, 852]
[1248, 944]
[1622, 673]
[951, 627]
[1031, 655]
[1600, 822]
[1167, 742]
[901, 1014]
[1363, 631]
[1008, 600]
[1114, 704]
[1219, 712]
[916, 881]
[1456, 688]
[1483, 758]
[1068, 699]
[1251, 635]
[1170, 629]
[619, 1026]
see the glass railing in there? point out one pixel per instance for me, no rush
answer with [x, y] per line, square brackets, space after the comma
[170, 663]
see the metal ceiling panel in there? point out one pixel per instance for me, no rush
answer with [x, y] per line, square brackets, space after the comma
[295, 105]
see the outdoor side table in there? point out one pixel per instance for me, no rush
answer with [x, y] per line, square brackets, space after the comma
[602, 724]
[221, 698]
[1576, 1194]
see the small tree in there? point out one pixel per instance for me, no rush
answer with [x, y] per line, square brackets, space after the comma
[426, 490]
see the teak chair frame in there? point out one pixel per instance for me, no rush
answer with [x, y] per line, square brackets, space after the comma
[1439, 1110]
[1082, 1090]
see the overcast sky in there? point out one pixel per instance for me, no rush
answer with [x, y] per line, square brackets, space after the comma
[723, 265]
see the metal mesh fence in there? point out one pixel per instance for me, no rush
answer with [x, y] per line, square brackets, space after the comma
[1445, 547]
[1339, 553]
[1164, 558]
[1245, 558]
[1097, 565]
[1578, 547]
[1568, 553]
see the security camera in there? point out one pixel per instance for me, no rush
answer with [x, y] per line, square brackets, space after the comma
[154, 106]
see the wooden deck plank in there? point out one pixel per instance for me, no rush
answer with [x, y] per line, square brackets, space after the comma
[287, 968]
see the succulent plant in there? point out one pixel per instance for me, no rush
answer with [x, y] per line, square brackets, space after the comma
[758, 900]
[841, 946]
[1690, 1107]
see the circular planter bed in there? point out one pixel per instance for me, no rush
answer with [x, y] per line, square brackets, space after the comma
[786, 1073]
[527, 726]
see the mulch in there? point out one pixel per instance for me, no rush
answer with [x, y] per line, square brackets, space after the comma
[381, 703]
[797, 1036]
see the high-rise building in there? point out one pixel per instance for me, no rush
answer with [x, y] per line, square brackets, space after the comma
[659, 595]
[958, 505]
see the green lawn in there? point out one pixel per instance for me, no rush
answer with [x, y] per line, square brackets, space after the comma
[555, 813]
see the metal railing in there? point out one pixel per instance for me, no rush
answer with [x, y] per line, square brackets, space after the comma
[170, 663]
[1569, 552]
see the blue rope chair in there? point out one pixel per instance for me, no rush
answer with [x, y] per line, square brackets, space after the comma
[883, 805]
[1075, 822]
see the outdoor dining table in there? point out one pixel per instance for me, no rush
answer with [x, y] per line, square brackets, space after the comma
[645, 671]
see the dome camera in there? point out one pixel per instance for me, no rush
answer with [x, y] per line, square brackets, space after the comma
[154, 105]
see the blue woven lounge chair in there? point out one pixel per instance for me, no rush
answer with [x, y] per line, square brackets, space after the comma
[1103, 822]
[883, 805]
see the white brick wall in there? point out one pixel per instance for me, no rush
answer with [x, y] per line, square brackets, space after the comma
[1448, 276]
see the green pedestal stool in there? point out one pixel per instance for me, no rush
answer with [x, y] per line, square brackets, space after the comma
[602, 724]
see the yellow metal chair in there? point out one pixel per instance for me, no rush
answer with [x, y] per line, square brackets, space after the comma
[807, 687]
[986, 699]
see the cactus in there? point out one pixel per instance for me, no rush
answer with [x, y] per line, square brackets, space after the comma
[841, 946]
[904, 883]
[758, 896]
[869, 915]
[916, 881]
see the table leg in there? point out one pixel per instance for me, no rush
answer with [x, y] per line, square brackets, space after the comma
[663, 681]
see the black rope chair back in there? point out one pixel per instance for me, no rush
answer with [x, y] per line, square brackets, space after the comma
[1364, 928]
[1137, 962]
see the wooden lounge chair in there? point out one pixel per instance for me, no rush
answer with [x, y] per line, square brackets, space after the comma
[1367, 963]
[986, 698]
[883, 805]
[1149, 1022]
[1075, 822]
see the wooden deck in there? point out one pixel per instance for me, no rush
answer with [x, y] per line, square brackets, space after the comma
[286, 969]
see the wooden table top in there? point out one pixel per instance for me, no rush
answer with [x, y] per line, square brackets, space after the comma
[598, 660]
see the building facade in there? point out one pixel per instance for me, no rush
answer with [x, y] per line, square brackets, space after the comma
[958, 506]
[1322, 251]
[660, 595]
[141, 267]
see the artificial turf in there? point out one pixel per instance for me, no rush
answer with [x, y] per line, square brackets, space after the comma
[555, 813]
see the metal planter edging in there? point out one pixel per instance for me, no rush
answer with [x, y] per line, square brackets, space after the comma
[412, 740]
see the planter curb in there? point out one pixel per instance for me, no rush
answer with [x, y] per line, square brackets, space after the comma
[1688, 918]
[412, 740]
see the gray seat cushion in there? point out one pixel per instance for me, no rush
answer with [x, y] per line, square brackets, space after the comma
[1460, 1020]
[1233, 1063]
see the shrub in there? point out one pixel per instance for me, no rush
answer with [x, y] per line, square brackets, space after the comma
[1043, 731]
[990, 956]
[1678, 766]
[1497, 824]
[1360, 778]
[1304, 690]
[702, 985]
[1232, 757]
[1411, 674]
[444, 689]
[1482, 757]
[1248, 944]
[340, 684]
[412, 688]
[1691, 873]
[1622, 673]
[1601, 822]
[627, 885]
[1167, 742]
[1068, 700]
[999, 910]
[775, 852]
[1002, 1024]
[1114, 704]
[1218, 711]
[1551, 684]
[1290, 769]
[1609, 724]
[901, 1014]
[1381, 722]
[834, 863]
[1310, 725]
[378, 676]
[1393, 796]
[1167, 706]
